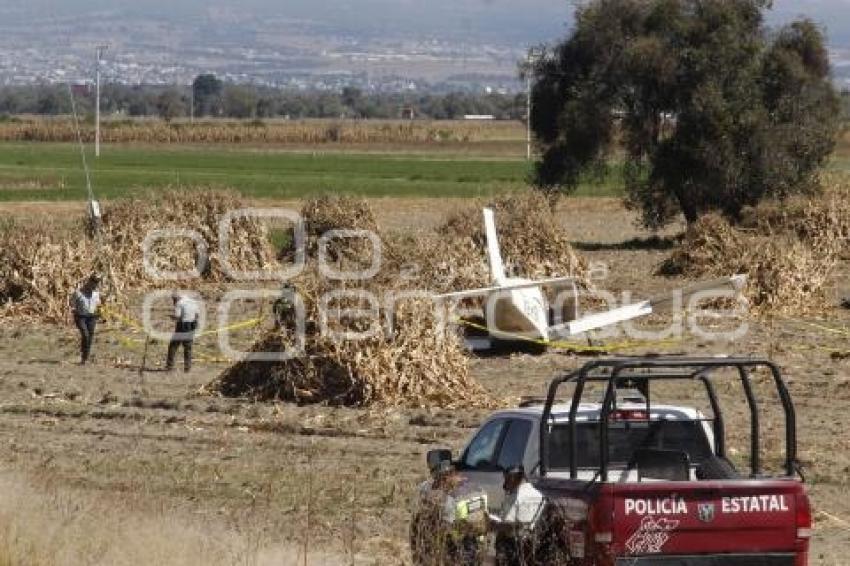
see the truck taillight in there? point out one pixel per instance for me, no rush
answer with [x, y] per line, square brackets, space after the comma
[630, 415]
[804, 516]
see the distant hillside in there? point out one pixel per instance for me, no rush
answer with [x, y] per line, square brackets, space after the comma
[381, 43]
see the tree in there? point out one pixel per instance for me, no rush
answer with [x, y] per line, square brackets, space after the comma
[239, 102]
[140, 102]
[845, 100]
[353, 98]
[53, 100]
[11, 102]
[266, 107]
[170, 105]
[207, 91]
[712, 112]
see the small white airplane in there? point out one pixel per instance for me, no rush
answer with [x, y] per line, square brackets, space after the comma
[517, 309]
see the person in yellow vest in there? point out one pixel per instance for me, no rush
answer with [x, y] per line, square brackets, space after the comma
[450, 526]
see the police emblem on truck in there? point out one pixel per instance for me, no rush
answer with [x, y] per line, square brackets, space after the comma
[706, 512]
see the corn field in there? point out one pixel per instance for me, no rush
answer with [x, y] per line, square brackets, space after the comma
[307, 132]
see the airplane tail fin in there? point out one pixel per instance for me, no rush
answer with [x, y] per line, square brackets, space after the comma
[494, 254]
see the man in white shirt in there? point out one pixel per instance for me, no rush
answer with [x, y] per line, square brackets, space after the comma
[521, 508]
[186, 314]
[85, 303]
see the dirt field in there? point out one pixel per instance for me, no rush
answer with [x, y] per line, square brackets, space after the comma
[102, 465]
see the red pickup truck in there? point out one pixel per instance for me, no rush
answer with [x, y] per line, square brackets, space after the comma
[628, 482]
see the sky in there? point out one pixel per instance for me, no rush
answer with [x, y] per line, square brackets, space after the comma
[526, 21]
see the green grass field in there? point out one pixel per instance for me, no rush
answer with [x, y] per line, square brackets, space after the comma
[45, 171]
[53, 172]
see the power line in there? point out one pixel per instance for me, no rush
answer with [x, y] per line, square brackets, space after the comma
[82, 146]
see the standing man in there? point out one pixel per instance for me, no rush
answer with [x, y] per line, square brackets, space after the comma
[514, 523]
[85, 303]
[186, 314]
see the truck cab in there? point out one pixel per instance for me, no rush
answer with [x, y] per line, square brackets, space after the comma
[627, 481]
[510, 437]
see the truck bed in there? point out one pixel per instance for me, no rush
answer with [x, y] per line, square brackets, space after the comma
[691, 523]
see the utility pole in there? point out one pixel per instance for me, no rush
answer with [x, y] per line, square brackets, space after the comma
[528, 117]
[533, 55]
[98, 56]
[192, 103]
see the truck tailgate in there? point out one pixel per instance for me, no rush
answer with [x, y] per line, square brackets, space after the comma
[687, 518]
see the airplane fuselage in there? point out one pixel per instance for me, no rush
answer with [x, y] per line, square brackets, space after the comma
[518, 313]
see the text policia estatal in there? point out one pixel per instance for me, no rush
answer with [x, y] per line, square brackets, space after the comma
[728, 505]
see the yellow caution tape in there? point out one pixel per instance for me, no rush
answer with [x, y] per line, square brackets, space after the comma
[251, 323]
[126, 321]
[136, 344]
[573, 346]
[825, 328]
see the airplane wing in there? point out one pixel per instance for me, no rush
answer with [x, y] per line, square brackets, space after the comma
[484, 291]
[600, 320]
[629, 312]
[735, 283]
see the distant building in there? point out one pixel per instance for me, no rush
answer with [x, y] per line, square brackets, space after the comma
[81, 90]
[479, 117]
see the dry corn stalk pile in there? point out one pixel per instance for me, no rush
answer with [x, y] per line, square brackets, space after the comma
[414, 365]
[789, 250]
[411, 362]
[306, 132]
[39, 269]
[127, 222]
[532, 240]
[406, 359]
[325, 214]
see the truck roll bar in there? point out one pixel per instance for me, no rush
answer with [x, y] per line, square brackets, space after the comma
[643, 370]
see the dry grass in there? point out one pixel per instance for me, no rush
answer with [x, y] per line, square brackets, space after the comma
[307, 132]
[40, 266]
[789, 249]
[842, 149]
[50, 525]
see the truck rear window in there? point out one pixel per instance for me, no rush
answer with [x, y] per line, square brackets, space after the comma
[624, 439]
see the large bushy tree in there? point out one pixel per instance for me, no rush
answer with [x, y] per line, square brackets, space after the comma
[207, 89]
[170, 105]
[239, 102]
[708, 108]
